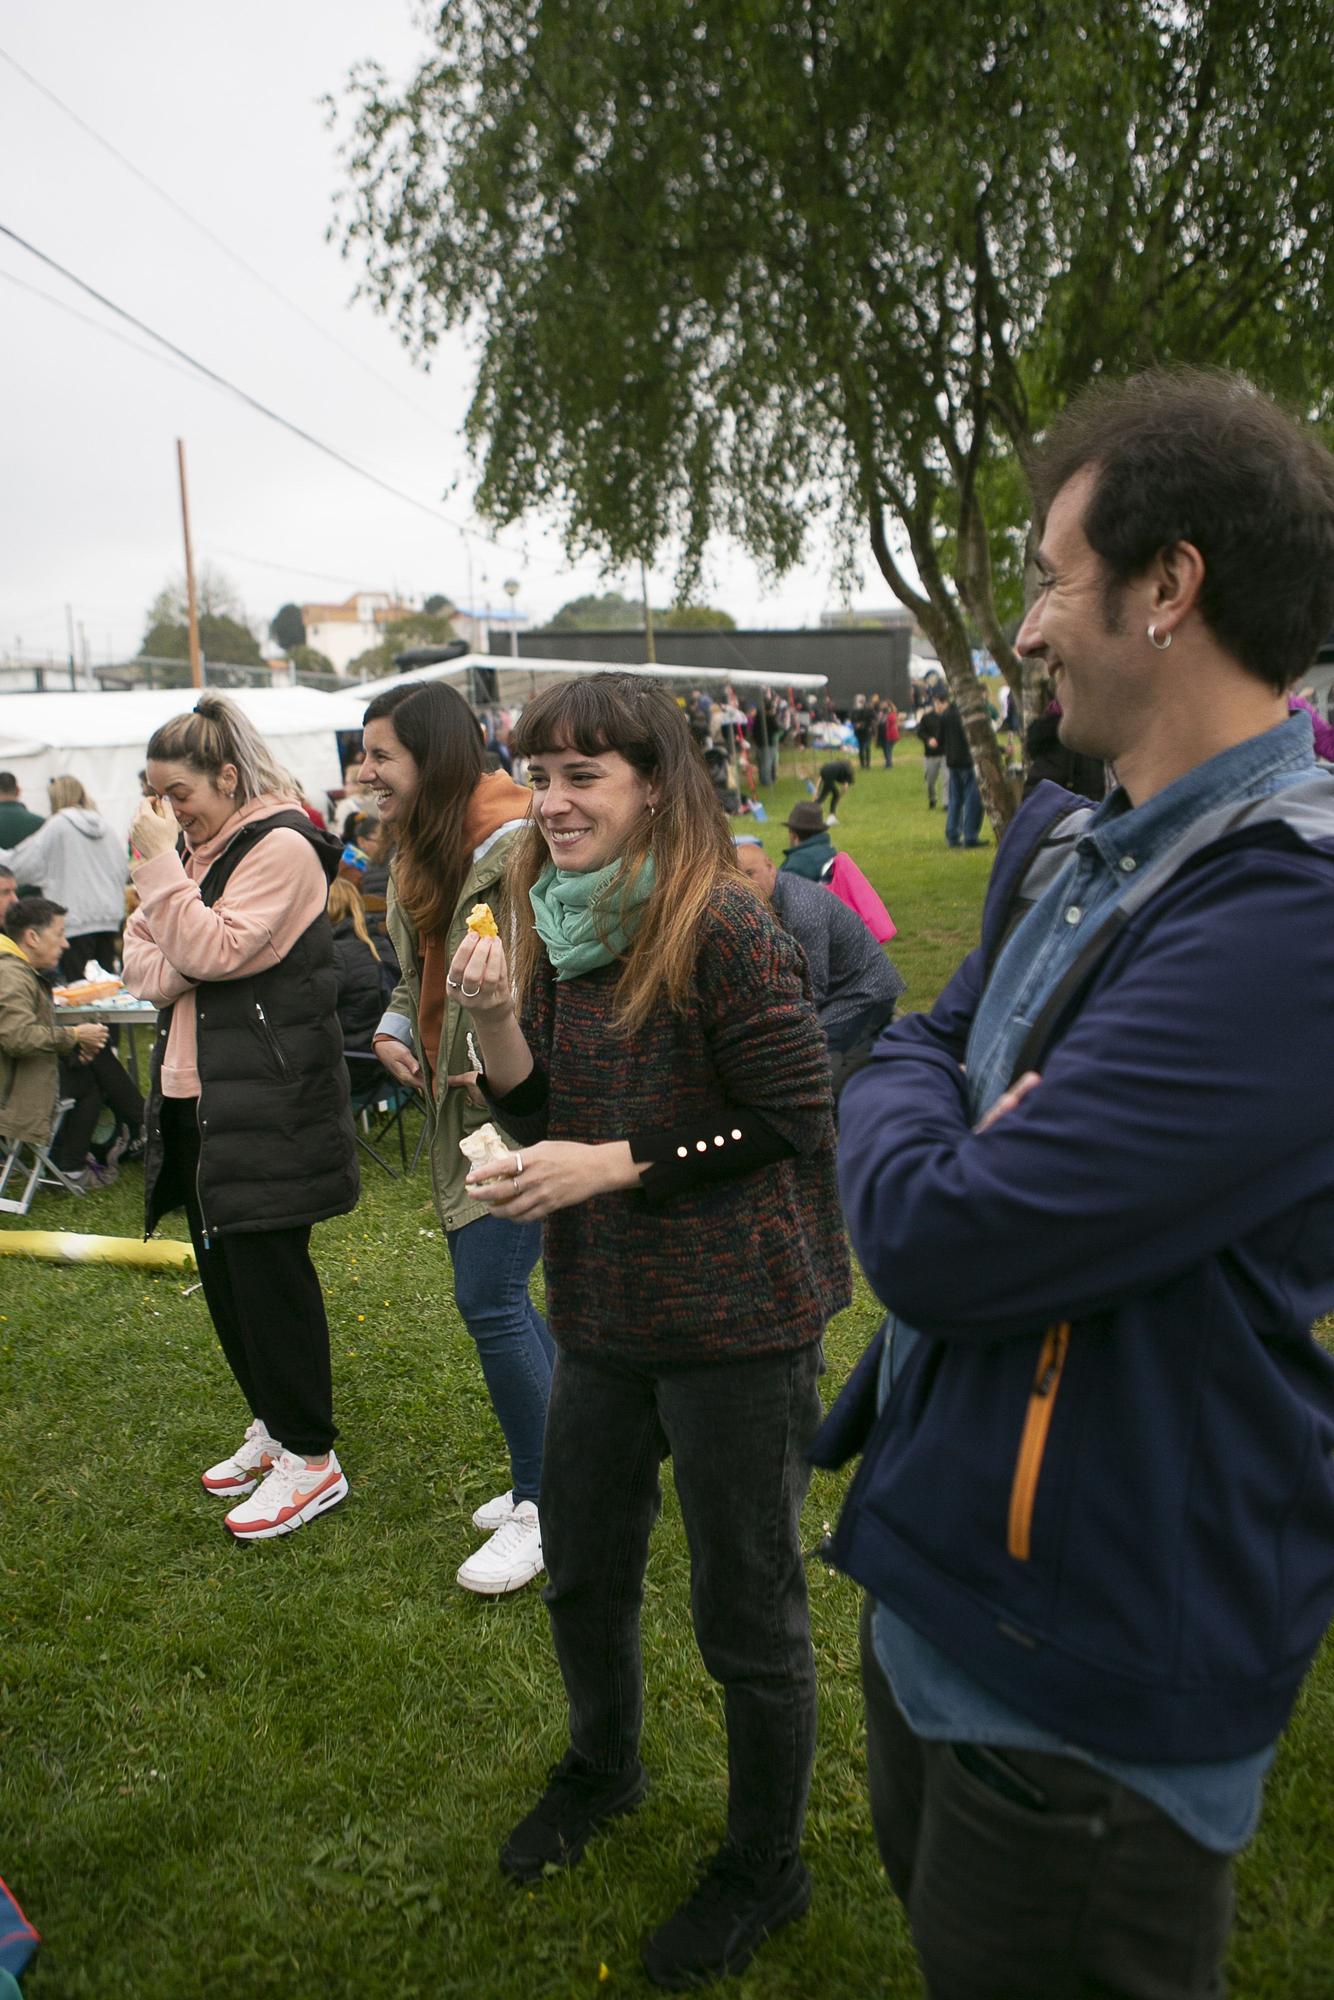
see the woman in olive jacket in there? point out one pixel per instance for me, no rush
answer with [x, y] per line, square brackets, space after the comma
[455, 824]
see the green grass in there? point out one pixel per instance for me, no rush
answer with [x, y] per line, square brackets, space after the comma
[285, 1769]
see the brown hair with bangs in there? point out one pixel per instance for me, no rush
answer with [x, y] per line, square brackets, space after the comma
[686, 834]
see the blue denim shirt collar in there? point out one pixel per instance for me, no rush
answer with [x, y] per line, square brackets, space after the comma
[1142, 833]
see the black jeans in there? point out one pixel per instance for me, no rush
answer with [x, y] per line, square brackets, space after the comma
[264, 1296]
[91, 1085]
[737, 1433]
[1071, 1887]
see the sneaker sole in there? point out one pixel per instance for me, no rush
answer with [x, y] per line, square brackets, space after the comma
[310, 1512]
[785, 1909]
[497, 1586]
[236, 1492]
[529, 1868]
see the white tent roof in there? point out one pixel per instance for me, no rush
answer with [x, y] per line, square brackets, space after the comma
[101, 738]
[517, 671]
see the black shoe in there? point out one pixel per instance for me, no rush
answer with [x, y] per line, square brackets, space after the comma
[574, 1805]
[719, 1927]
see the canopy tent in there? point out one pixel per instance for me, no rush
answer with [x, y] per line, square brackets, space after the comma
[517, 680]
[101, 738]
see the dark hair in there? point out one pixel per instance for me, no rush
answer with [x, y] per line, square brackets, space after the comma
[444, 739]
[687, 833]
[1200, 455]
[5, 869]
[31, 913]
[8, 782]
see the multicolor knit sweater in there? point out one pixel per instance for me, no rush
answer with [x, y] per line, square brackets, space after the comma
[748, 1264]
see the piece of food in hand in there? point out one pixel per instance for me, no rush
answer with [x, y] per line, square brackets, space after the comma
[480, 921]
[485, 1147]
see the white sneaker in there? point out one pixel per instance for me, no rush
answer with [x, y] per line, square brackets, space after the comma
[495, 1513]
[512, 1557]
[831, 821]
[293, 1494]
[231, 1477]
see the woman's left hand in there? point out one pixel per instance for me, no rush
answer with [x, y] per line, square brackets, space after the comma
[152, 831]
[558, 1173]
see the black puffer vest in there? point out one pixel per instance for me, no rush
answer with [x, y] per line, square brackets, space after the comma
[278, 1150]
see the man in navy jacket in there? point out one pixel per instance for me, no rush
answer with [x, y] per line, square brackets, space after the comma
[1095, 1191]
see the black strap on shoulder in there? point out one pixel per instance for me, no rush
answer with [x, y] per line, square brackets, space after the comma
[227, 863]
[1051, 845]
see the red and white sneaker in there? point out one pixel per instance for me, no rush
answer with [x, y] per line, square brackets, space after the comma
[231, 1477]
[293, 1494]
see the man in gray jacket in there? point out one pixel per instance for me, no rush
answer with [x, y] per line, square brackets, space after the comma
[855, 985]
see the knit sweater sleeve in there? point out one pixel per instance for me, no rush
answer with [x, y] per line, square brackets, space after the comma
[766, 1048]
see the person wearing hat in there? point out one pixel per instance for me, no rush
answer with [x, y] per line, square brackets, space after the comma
[812, 851]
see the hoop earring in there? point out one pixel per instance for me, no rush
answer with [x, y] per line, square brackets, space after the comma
[1159, 645]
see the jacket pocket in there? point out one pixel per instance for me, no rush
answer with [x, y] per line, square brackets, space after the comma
[1033, 1440]
[275, 1047]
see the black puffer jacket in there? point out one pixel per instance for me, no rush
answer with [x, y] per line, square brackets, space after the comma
[278, 1148]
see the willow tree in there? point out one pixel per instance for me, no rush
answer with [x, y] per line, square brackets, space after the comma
[769, 267]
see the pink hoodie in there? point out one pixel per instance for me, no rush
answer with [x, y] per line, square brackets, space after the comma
[174, 943]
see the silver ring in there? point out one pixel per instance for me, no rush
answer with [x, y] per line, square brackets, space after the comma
[470, 992]
[518, 1165]
[452, 982]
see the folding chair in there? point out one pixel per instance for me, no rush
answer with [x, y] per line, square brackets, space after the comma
[388, 1100]
[20, 1157]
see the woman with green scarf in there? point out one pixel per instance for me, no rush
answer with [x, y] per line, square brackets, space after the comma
[662, 1077]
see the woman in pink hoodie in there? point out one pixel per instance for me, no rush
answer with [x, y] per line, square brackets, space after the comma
[248, 1122]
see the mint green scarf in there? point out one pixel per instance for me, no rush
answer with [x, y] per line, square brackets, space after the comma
[585, 920]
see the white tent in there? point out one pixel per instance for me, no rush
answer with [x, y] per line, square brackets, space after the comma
[101, 738]
[517, 680]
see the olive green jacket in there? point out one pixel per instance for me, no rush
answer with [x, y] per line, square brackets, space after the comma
[31, 1045]
[450, 1113]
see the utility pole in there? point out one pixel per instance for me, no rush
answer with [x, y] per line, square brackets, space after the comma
[69, 634]
[649, 647]
[196, 664]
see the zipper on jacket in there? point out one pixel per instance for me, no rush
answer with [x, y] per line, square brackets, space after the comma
[1033, 1441]
[199, 1162]
[273, 1041]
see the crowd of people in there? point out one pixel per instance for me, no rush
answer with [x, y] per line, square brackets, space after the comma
[1092, 1188]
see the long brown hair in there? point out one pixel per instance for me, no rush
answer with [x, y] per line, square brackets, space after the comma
[444, 739]
[686, 834]
[344, 902]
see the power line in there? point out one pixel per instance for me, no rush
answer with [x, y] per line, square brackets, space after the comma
[253, 402]
[219, 244]
[98, 325]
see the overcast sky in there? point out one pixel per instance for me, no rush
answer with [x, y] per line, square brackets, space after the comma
[220, 106]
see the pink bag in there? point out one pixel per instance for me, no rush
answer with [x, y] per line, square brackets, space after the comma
[846, 881]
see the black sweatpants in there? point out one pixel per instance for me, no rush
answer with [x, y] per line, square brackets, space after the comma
[92, 1084]
[264, 1296]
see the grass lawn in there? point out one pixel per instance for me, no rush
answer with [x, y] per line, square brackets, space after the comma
[285, 1769]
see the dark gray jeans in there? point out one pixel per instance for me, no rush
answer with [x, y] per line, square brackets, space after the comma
[737, 1433]
[1082, 1891]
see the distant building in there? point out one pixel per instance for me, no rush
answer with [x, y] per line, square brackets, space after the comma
[343, 631]
[488, 631]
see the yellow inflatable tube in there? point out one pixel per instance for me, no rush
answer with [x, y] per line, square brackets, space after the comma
[63, 1247]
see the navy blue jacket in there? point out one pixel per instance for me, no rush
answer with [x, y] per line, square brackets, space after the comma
[1104, 1482]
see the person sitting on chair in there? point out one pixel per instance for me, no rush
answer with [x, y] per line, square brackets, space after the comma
[32, 1041]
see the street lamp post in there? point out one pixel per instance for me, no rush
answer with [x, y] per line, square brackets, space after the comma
[511, 590]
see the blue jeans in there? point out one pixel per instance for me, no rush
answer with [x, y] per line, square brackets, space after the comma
[963, 815]
[493, 1261]
[737, 1433]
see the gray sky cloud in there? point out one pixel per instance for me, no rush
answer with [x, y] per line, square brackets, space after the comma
[220, 106]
